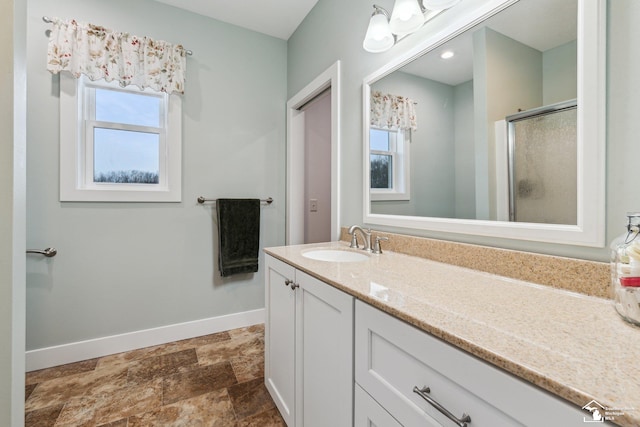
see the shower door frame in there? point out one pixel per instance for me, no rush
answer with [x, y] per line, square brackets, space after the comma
[511, 133]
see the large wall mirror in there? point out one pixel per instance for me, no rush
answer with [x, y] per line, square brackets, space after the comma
[494, 127]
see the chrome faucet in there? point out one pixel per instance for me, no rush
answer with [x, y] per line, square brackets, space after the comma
[366, 237]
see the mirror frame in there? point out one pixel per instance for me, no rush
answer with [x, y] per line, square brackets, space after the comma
[590, 228]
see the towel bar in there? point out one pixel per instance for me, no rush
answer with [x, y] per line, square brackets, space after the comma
[201, 200]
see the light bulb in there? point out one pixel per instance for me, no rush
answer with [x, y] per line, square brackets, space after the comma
[406, 17]
[378, 37]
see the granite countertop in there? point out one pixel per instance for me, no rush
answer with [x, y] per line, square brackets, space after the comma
[573, 345]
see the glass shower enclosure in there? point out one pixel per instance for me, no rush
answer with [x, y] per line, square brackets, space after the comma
[542, 163]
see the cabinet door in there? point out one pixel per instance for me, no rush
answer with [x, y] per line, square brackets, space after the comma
[324, 354]
[280, 305]
[369, 414]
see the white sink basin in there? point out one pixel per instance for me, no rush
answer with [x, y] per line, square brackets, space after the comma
[335, 255]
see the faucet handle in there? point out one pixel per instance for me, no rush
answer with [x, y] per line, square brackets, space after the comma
[377, 249]
[354, 241]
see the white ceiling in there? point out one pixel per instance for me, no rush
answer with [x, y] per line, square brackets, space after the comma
[277, 18]
[540, 24]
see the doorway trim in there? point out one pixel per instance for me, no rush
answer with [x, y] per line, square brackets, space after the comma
[13, 188]
[295, 204]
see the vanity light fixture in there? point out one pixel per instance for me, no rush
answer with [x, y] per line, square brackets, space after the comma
[379, 37]
[406, 17]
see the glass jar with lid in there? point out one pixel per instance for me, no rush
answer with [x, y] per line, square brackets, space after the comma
[625, 270]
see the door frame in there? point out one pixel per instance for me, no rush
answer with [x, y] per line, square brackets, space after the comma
[13, 158]
[295, 203]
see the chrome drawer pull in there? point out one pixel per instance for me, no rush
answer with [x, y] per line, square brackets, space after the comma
[422, 392]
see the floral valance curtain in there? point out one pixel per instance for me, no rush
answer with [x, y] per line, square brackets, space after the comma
[99, 53]
[392, 111]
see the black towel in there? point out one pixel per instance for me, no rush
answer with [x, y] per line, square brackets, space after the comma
[238, 235]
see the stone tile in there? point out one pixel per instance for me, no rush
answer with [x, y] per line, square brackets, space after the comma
[43, 417]
[228, 350]
[270, 418]
[160, 366]
[253, 330]
[47, 374]
[60, 390]
[249, 367]
[120, 423]
[114, 406]
[28, 389]
[129, 389]
[130, 401]
[197, 381]
[79, 412]
[250, 398]
[212, 409]
[120, 359]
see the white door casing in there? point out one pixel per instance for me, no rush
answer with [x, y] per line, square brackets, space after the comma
[330, 78]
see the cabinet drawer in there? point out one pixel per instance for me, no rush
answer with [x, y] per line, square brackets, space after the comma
[392, 357]
[369, 414]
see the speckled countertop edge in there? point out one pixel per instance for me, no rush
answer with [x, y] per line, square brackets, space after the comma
[538, 333]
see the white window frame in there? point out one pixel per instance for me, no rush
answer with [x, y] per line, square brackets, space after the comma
[400, 167]
[77, 122]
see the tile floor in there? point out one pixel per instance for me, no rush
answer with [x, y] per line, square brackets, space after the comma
[213, 380]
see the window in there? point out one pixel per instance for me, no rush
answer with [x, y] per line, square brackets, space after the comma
[118, 144]
[389, 164]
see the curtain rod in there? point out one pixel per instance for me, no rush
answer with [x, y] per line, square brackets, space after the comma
[49, 21]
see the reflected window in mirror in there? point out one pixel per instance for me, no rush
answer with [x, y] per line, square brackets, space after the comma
[390, 162]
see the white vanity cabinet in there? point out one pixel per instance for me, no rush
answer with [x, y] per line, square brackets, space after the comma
[392, 358]
[308, 347]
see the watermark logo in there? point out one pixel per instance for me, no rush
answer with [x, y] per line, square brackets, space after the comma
[600, 413]
[597, 412]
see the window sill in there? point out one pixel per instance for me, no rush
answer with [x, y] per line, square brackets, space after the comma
[376, 196]
[119, 195]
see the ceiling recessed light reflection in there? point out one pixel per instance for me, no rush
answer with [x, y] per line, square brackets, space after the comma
[447, 54]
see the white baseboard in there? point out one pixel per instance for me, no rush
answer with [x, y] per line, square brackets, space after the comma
[74, 352]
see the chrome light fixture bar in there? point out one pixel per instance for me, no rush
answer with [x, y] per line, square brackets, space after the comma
[406, 17]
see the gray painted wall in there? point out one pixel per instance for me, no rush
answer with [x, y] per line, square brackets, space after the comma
[334, 30]
[465, 191]
[559, 73]
[124, 267]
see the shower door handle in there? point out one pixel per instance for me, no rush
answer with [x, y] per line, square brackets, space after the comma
[48, 252]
